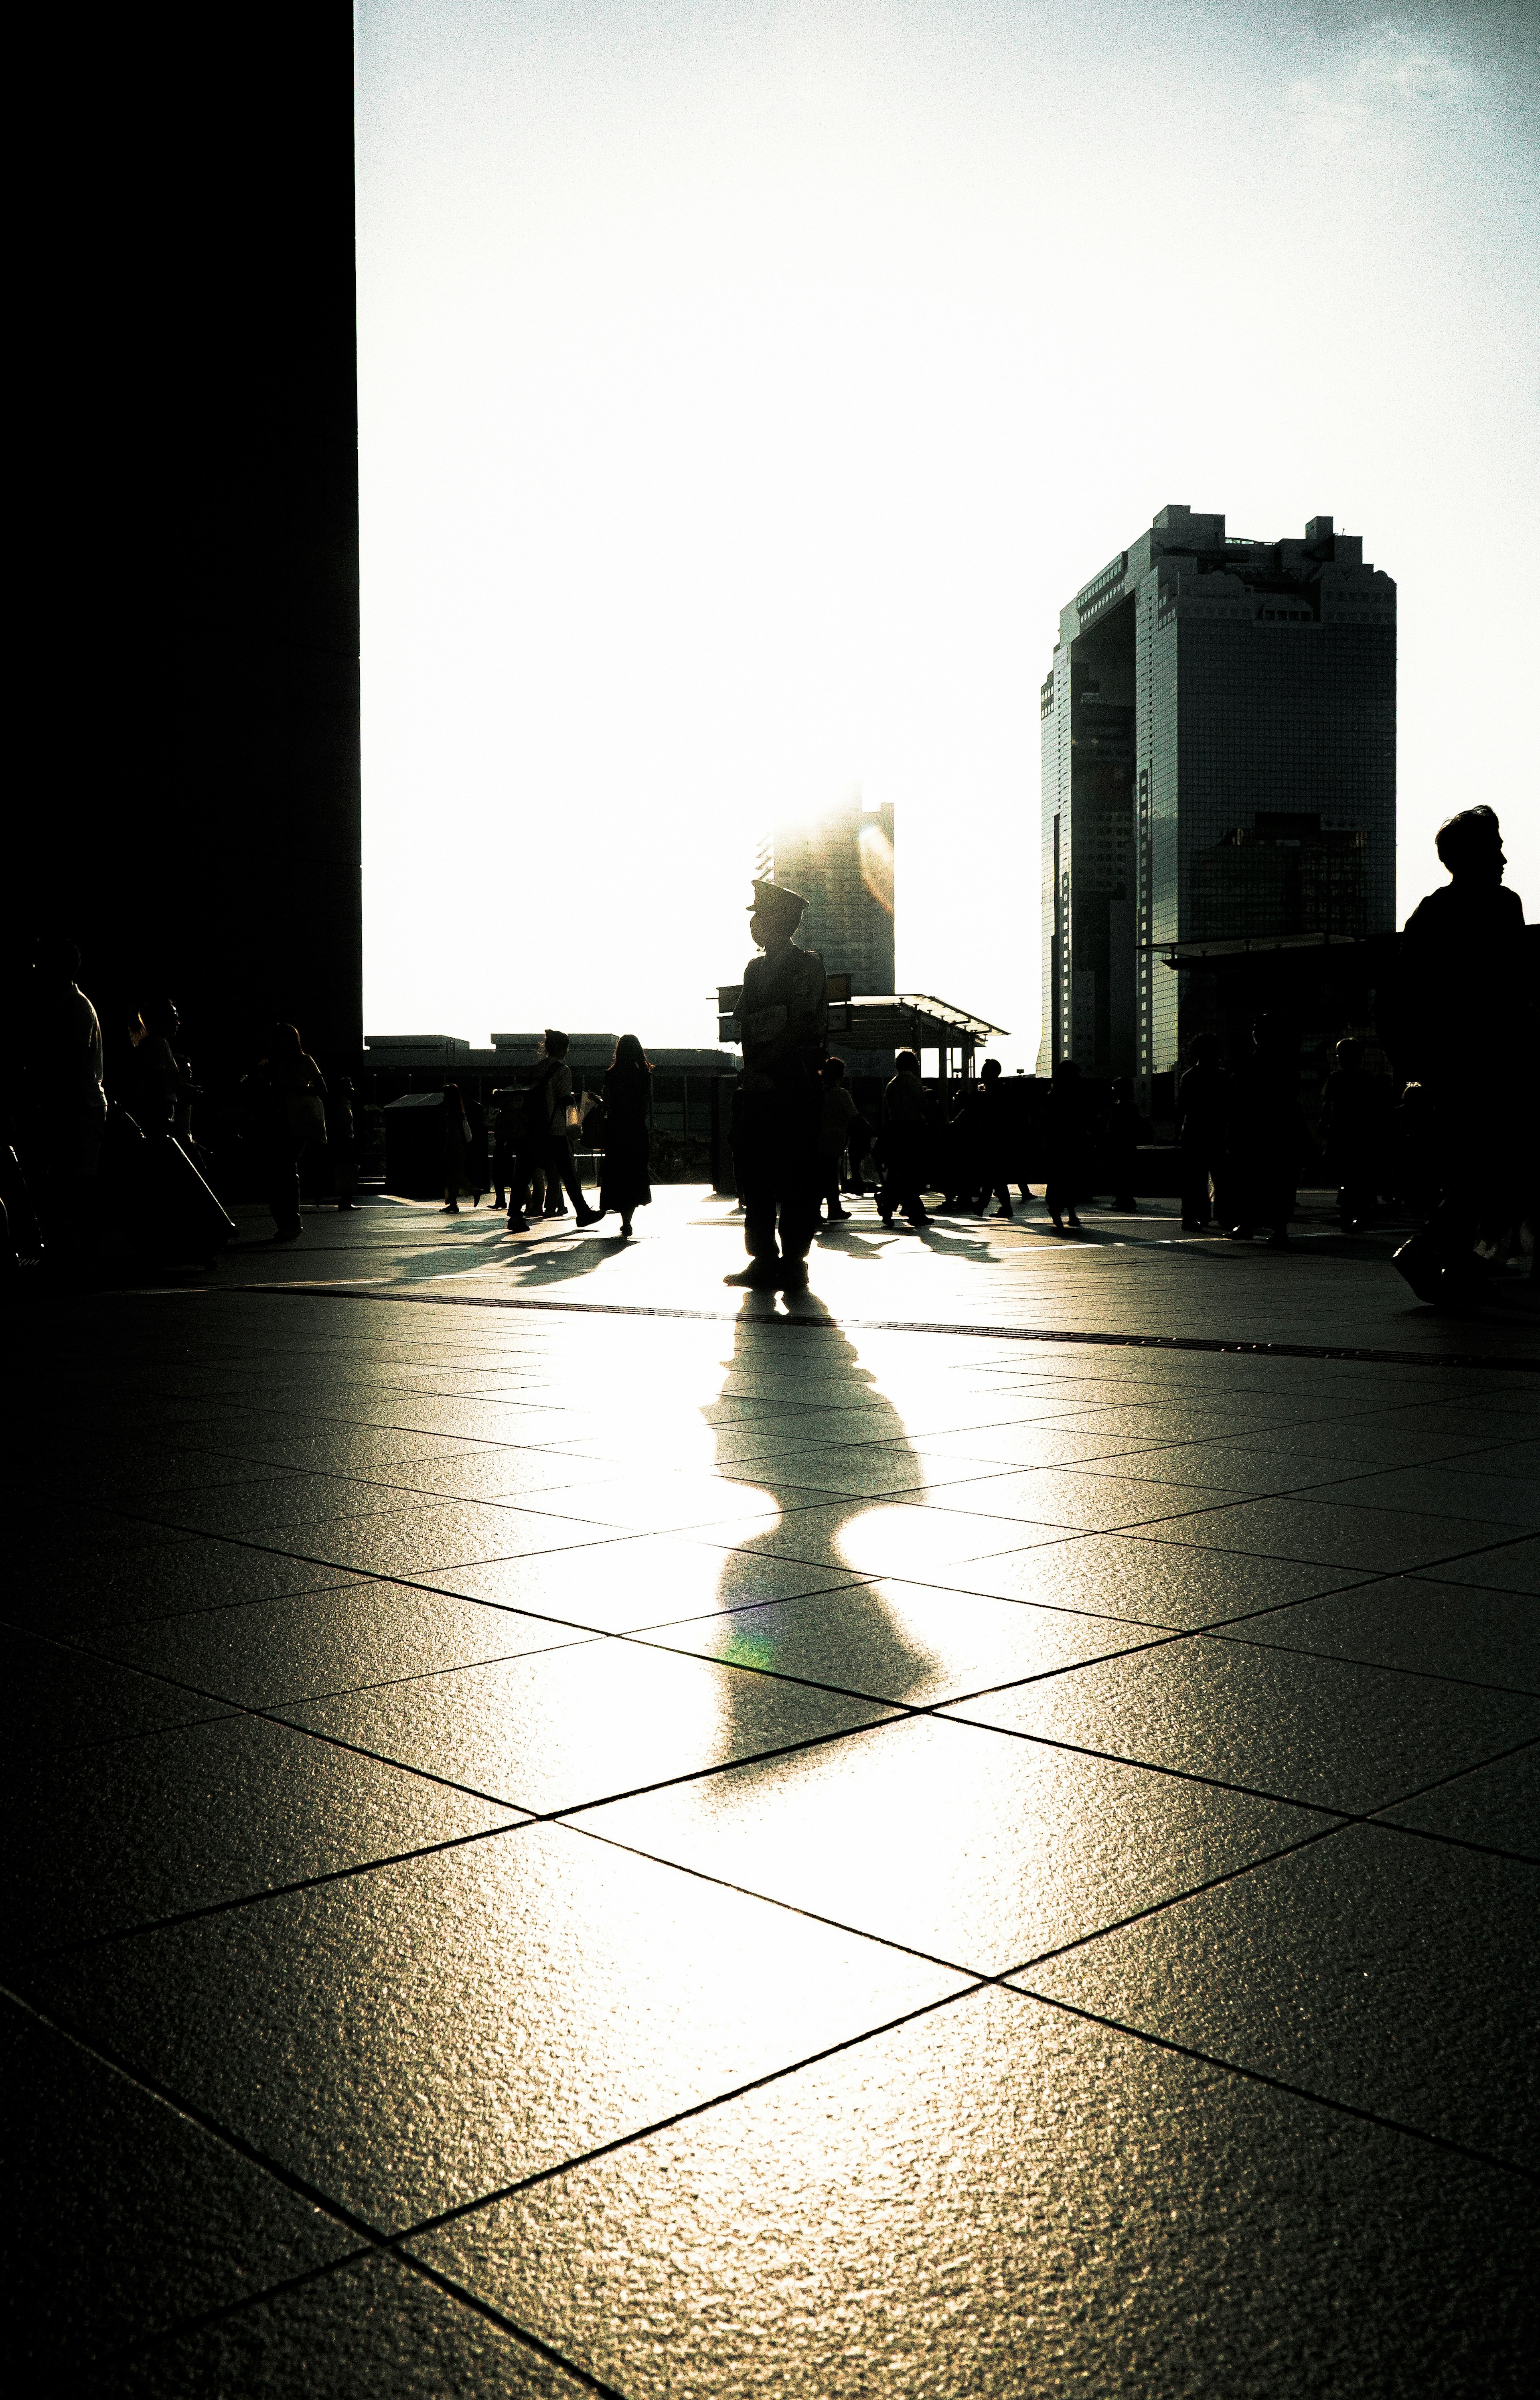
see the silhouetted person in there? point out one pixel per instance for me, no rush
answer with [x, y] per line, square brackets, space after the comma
[985, 1132]
[837, 1115]
[1461, 1025]
[1268, 1135]
[164, 1093]
[455, 1130]
[67, 1101]
[906, 1122]
[782, 1013]
[1354, 1113]
[548, 1098]
[286, 1094]
[509, 1103]
[344, 1142]
[1066, 1129]
[1202, 1131]
[625, 1184]
[521, 1127]
[1125, 1132]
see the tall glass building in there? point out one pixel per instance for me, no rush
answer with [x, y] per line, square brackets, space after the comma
[1219, 759]
[841, 860]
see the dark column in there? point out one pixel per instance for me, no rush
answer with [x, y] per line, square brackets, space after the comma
[193, 617]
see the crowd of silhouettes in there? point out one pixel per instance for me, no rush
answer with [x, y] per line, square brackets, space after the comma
[1436, 1115]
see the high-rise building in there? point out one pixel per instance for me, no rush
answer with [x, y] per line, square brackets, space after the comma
[841, 860]
[1219, 759]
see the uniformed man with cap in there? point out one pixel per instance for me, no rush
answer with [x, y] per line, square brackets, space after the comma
[783, 1019]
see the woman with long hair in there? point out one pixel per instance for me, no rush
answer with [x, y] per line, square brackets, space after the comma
[628, 1092]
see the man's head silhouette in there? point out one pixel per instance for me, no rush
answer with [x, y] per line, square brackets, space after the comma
[1470, 845]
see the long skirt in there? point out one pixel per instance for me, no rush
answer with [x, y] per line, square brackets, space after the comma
[624, 1185]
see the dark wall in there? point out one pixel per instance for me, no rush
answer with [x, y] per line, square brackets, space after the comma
[195, 792]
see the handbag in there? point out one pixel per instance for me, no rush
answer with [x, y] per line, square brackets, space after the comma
[307, 1115]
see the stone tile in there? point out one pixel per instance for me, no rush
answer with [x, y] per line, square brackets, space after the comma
[882, 1537]
[930, 2211]
[1146, 1582]
[1429, 1628]
[1516, 1567]
[415, 2038]
[371, 2325]
[1092, 1503]
[958, 1842]
[277, 1500]
[1446, 1492]
[136, 1831]
[1518, 1459]
[1326, 1733]
[564, 1728]
[420, 1541]
[1373, 1968]
[336, 1641]
[191, 1574]
[620, 1586]
[1381, 1540]
[58, 1696]
[1497, 1806]
[1034, 1445]
[125, 2217]
[900, 1641]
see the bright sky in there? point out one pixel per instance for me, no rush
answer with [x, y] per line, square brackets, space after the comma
[744, 385]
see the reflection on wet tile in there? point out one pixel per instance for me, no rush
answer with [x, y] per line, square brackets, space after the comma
[564, 1727]
[1497, 1806]
[125, 2217]
[928, 2212]
[383, 2328]
[141, 1830]
[1372, 1967]
[903, 1642]
[1430, 1628]
[415, 2038]
[1326, 1732]
[962, 1843]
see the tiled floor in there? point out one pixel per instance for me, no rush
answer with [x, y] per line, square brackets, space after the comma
[573, 1831]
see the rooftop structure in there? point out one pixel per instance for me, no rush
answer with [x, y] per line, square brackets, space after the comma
[1218, 763]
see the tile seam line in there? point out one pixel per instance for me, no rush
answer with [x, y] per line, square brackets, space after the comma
[1280, 2083]
[373, 2240]
[1351, 1355]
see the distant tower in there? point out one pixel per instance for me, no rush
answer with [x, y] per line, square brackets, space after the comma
[841, 858]
[1219, 759]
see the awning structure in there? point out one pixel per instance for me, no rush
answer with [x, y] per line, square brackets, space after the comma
[900, 1020]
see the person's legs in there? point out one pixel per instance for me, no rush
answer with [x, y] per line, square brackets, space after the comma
[283, 1193]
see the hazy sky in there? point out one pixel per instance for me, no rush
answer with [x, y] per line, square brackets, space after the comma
[744, 387]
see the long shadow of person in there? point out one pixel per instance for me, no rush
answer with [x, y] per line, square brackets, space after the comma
[845, 1453]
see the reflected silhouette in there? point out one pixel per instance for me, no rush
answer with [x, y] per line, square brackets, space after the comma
[874, 1658]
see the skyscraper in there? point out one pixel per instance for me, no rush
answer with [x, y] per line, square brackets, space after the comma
[841, 860]
[1219, 759]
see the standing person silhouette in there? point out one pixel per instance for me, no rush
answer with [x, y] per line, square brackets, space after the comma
[287, 1093]
[1463, 1013]
[624, 1185]
[1066, 1130]
[1203, 1132]
[547, 1099]
[907, 1124]
[782, 1011]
